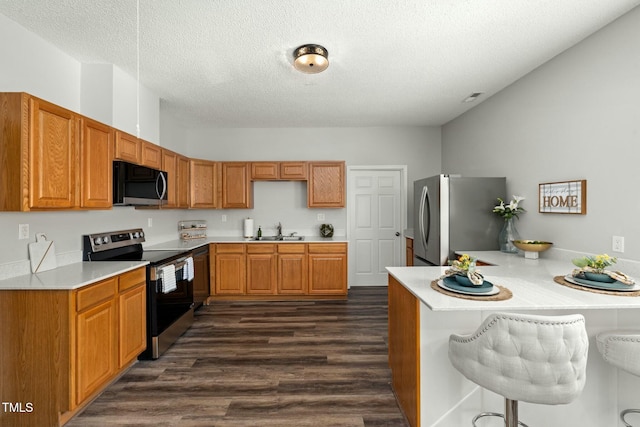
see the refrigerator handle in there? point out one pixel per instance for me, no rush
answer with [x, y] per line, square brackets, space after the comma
[423, 200]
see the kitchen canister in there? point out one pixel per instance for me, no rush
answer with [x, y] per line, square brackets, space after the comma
[248, 227]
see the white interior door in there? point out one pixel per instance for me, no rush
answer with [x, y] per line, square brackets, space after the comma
[376, 218]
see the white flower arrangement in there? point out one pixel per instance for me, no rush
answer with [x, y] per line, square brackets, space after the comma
[510, 210]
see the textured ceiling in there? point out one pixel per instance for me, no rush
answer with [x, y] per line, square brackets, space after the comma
[228, 63]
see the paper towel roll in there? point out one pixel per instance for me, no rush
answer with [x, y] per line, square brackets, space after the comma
[248, 227]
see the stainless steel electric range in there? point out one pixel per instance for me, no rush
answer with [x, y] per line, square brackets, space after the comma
[169, 283]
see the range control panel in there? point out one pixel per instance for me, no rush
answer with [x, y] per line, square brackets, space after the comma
[113, 239]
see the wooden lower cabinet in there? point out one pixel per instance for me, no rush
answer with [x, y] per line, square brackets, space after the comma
[261, 269]
[409, 256]
[292, 269]
[404, 349]
[201, 275]
[328, 268]
[230, 269]
[279, 270]
[61, 348]
[96, 348]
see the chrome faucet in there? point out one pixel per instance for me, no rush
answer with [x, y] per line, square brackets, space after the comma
[279, 227]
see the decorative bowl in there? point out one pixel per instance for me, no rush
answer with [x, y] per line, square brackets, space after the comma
[598, 277]
[532, 245]
[464, 280]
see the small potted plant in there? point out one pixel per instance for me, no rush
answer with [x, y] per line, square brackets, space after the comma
[594, 267]
[464, 271]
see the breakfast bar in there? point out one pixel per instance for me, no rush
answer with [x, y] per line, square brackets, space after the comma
[434, 394]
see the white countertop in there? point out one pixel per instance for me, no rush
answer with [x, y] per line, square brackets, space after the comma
[71, 276]
[79, 274]
[174, 245]
[530, 281]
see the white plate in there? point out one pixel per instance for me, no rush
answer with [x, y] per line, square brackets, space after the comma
[604, 287]
[494, 291]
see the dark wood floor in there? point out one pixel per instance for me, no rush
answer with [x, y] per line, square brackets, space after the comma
[314, 363]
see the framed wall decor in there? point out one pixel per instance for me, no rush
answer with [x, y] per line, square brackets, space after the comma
[565, 197]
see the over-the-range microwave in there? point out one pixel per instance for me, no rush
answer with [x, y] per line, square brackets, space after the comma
[135, 185]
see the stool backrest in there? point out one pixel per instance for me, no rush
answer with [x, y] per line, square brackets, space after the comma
[621, 348]
[529, 358]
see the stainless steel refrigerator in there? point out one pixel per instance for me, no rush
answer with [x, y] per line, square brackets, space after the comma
[454, 213]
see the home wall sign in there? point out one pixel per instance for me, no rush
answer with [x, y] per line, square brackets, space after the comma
[567, 197]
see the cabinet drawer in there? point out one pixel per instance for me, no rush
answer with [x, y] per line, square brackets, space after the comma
[230, 248]
[293, 171]
[261, 248]
[132, 278]
[327, 248]
[292, 248]
[91, 295]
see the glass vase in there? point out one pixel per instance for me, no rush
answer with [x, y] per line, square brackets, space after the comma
[507, 234]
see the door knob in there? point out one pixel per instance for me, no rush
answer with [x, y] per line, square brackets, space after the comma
[397, 233]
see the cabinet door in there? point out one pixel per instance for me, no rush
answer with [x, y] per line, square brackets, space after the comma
[182, 186]
[292, 274]
[230, 269]
[96, 348]
[328, 268]
[261, 274]
[97, 168]
[150, 155]
[203, 184]
[236, 186]
[128, 148]
[53, 158]
[326, 185]
[170, 166]
[293, 171]
[132, 327]
[267, 171]
[201, 277]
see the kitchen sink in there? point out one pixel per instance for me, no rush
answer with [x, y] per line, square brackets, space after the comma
[280, 238]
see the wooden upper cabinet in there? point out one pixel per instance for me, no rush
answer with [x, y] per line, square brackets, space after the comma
[182, 198]
[203, 184]
[293, 171]
[326, 185]
[96, 150]
[128, 148]
[150, 155]
[53, 156]
[170, 165]
[236, 185]
[265, 171]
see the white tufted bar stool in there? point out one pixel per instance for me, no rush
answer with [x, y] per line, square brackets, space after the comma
[622, 350]
[524, 357]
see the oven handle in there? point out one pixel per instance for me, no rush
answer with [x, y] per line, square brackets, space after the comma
[156, 272]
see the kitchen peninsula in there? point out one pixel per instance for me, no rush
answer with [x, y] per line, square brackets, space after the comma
[432, 393]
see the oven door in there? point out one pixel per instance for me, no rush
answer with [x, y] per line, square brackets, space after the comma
[169, 314]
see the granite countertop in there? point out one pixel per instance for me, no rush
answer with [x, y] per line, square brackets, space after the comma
[529, 280]
[71, 276]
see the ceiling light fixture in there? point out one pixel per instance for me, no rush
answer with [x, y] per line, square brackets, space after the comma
[310, 58]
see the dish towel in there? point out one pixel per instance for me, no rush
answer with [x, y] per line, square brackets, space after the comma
[187, 271]
[169, 279]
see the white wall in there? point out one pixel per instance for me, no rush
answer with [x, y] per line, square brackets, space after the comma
[416, 147]
[576, 117]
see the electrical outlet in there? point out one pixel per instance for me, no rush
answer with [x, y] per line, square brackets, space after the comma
[224, 218]
[149, 222]
[617, 244]
[23, 231]
[320, 217]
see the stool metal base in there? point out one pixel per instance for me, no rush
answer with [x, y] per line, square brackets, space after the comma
[493, 414]
[628, 411]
